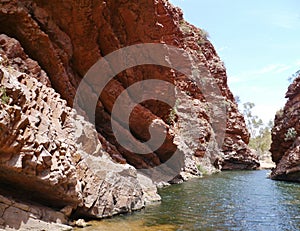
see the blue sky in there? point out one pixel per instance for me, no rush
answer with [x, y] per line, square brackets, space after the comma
[259, 42]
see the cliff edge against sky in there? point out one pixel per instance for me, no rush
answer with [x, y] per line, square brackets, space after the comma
[285, 137]
[66, 163]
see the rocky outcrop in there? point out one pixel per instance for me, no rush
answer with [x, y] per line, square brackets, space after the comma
[27, 216]
[68, 38]
[51, 151]
[285, 146]
[53, 155]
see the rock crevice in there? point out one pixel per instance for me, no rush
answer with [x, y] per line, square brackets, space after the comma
[48, 149]
[54, 155]
[285, 147]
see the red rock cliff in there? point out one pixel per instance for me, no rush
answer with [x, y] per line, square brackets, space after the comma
[285, 146]
[51, 155]
[66, 38]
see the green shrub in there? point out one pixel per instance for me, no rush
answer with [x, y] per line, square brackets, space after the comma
[173, 114]
[184, 27]
[4, 97]
[202, 169]
[204, 33]
[290, 134]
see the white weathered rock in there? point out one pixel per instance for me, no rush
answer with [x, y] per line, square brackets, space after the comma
[48, 150]
[25, 216]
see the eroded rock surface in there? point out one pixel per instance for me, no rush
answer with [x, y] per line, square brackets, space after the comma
[51, 151]
[26, 216]
[55, 157]
[67, 38]
[285, 146]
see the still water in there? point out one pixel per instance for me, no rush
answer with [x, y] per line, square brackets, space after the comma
[241, 200]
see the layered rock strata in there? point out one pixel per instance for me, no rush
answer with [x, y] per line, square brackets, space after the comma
[285, 147]
[28, 216]
[67, 38]
[52, 156]
[51, 151]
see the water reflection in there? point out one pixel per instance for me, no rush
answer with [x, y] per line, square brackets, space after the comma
[258, 205]
[226, 201]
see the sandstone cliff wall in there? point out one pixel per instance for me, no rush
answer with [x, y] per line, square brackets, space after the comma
[49, 150]
[285, 146]
[51, 155]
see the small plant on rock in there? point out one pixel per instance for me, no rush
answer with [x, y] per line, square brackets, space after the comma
[204, 33]
[184, 27]
[202, 169]
[290, 134]
[280, 113]
[173, 114]
[4, 97]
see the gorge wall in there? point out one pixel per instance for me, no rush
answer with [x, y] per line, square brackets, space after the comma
[285, 146]
[68, 164]
[51, 155]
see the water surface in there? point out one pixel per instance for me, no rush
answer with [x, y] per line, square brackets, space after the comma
[240, 200]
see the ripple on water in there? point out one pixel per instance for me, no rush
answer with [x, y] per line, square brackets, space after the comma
[242, 200]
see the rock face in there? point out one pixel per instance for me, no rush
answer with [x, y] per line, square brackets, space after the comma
[26, 216]
[68, 38]
[50, 151]
[285, 146]
[53, 154]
